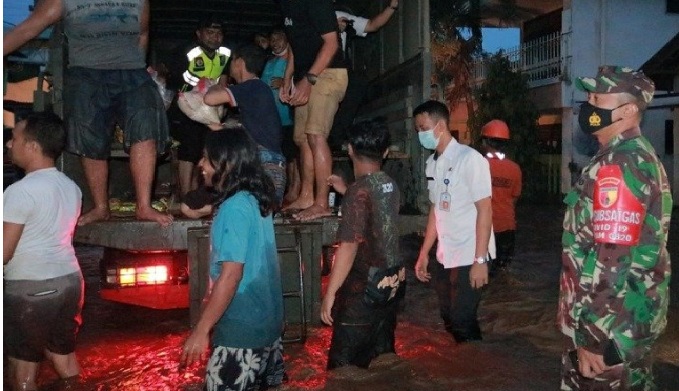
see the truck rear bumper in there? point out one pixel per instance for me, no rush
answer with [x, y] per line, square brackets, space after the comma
[160, 297]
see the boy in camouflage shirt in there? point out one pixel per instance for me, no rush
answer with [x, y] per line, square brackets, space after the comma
[616, 269]
[368, 278]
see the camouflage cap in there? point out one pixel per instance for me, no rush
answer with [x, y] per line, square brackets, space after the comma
[613, 79]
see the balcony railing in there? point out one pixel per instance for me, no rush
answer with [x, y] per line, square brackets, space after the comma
[539, 59]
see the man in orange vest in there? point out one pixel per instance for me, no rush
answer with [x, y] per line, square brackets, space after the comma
[506, 179]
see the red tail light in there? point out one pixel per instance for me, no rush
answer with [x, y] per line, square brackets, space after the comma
[143, 275]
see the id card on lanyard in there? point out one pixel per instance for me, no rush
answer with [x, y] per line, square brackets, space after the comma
[444, 199]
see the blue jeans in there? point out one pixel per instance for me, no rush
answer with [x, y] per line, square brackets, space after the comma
[274, 165]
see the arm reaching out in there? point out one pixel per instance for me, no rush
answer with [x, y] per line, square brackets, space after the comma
[337, 182]
[379, 20]
[47, 12]
[218, 95]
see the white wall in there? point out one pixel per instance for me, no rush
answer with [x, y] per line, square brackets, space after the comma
[612, 32]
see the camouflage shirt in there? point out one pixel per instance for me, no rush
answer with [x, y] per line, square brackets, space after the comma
[369, 217]
[613, 291]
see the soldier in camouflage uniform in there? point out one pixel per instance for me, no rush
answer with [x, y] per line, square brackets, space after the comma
[616, 269]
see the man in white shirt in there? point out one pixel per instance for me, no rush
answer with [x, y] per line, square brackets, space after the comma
[44, 287]
[460, 217]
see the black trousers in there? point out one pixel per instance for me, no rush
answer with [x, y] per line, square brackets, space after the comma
[458, 301]
[344, 118]
[505, 248]
[361, 332]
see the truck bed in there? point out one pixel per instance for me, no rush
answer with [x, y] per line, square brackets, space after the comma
[127, 233]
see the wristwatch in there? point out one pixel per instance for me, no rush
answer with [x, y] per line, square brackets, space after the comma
[480, 260]
[311, 78]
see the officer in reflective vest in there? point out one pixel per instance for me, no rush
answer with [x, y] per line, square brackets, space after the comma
[209, 58]
[206, 60]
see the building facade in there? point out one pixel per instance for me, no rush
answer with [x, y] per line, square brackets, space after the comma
[575, 40]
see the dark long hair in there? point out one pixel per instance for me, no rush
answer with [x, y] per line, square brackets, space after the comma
[235, 158]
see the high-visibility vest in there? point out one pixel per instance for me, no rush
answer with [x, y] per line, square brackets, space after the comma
[200, 65]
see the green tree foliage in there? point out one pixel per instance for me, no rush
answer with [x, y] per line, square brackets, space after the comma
[455, 40]
[504, 95]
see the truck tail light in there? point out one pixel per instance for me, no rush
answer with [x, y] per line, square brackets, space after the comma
[154, 279]
[132, 276]
[124, 269]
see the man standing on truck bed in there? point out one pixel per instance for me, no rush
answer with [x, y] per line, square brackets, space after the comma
[207, 59]
[320, 80]
[106, 80]
[351, 26]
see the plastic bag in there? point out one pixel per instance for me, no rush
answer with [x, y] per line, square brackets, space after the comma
[191, 104]
[166, 94]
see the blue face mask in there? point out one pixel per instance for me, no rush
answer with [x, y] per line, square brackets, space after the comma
[427, 139]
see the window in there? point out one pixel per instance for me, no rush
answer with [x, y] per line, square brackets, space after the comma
[669, 137]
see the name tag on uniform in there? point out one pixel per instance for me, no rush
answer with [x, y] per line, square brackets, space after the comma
[444, 201]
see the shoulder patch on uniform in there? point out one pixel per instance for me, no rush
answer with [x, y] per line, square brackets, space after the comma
[193, 53]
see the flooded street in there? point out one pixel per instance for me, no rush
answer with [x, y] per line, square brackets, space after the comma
[132, 348]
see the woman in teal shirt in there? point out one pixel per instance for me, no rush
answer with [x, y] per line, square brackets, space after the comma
[244, 307]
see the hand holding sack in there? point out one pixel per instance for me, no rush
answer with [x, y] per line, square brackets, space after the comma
[191, 103]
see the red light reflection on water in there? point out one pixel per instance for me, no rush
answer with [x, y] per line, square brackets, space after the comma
[305, 364]
[141, 362]
[148, 362]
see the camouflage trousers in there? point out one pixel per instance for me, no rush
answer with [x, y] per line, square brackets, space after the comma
[632, 376]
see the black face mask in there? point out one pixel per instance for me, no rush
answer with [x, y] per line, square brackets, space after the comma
[592, 118]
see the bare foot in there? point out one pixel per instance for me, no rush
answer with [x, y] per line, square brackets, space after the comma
[313, 212]
[94, 214]
[289, 198]
[289, 213]
[148, 213]
[300, 203]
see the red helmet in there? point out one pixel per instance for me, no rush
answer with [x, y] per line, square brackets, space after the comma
[495, 129]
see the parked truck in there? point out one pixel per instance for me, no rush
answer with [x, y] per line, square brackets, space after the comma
[144, 264]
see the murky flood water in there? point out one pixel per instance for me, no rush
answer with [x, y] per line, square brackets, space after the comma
[124, 347]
